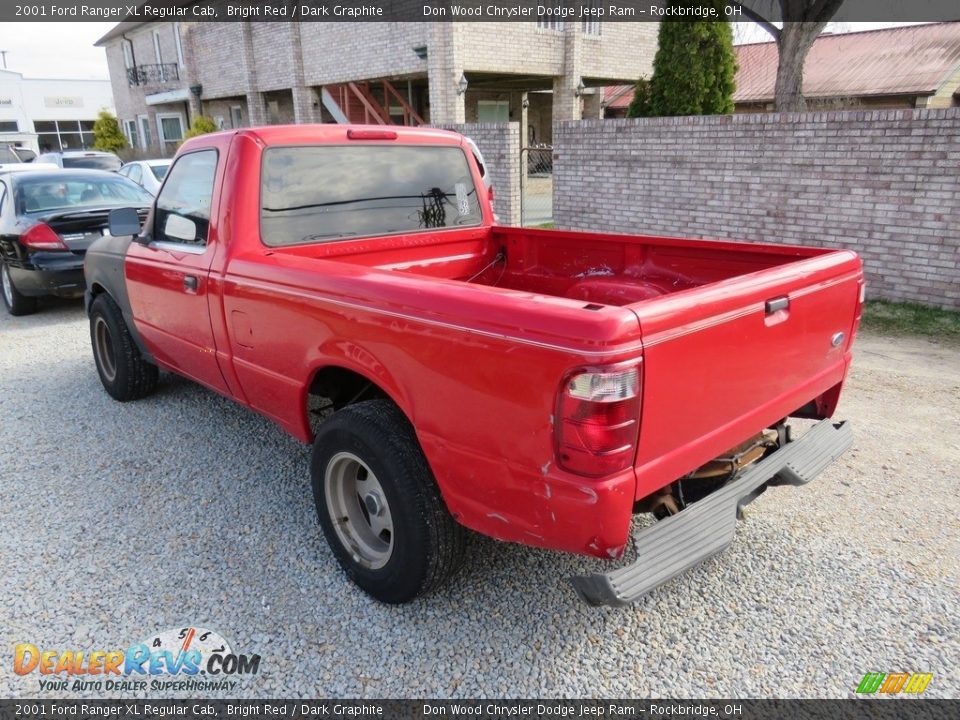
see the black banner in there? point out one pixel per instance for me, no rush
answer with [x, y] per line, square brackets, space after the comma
[455, 10]
[891, 709]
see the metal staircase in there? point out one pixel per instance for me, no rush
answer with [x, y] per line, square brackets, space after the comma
[374, 102]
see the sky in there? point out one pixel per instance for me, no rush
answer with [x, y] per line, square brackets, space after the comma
[65, 50]
[55, 50]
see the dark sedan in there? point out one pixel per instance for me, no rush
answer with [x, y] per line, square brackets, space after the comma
[48, 219]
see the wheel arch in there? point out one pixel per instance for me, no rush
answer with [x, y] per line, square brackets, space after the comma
[103, 268]
[343, 383]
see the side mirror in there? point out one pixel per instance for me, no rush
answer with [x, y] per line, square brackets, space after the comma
[180, 228]
[124, 221]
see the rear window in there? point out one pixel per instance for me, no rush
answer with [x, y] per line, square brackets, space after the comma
[332, 192]
[93, 162]
[53, 193]
[159, 171]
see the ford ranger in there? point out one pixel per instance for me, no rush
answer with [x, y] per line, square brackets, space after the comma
[537, 386]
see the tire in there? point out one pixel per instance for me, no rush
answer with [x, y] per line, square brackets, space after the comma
[401, 543]
[123, 371]
[15, 302]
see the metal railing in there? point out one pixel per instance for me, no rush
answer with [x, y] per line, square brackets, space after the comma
[153, 74]
[536, 185]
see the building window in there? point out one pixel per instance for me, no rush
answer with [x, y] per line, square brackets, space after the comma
[159, 55]
[170, 129]
[591, 27]
[236, 116]
[86, 133]
[556, 25]
[57, 135]
[179, 43]
[127, 53]
[144, 131]
[130, 130]
[493, 111]
[9, 126]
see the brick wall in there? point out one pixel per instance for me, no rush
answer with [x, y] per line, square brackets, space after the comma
[500, 145]
[882, 183]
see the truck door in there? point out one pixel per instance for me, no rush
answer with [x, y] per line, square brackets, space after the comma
[168, 278]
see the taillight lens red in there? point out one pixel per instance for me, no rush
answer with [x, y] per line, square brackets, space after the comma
[598, 419]
[42, 237]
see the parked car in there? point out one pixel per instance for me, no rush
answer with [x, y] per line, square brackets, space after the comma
[148, 174]
[25, 154]
[12, 161]
[82, 159]
[48, 219]
[536, 386]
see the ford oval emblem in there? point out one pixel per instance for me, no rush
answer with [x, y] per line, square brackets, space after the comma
[837, 339]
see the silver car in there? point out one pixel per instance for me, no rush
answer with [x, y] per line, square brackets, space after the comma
[148, 174]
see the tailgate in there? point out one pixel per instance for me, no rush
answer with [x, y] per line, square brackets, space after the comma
[723, 361]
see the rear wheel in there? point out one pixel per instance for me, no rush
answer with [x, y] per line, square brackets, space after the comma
[379, 505]
[122, 369]
[15, 302]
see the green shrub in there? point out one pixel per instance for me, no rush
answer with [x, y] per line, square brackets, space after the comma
[107, 135]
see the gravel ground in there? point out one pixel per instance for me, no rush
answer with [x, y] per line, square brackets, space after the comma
[122, 520]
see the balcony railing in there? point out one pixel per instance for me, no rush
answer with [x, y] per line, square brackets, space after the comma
[153, 74]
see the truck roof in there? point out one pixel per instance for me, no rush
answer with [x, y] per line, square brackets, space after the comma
[318, 134]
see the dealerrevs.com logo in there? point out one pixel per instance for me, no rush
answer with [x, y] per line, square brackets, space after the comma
[189, 658]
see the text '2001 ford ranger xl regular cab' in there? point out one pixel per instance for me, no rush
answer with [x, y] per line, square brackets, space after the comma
[536, 386]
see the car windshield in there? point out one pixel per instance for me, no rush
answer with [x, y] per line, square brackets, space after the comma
[327, 193]
[50, 193]
[93, 162]
[159, 171]
[7, 155]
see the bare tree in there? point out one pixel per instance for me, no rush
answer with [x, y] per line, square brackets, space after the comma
[803, 20]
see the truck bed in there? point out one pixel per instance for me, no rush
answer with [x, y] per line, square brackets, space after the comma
[719, 361]
[605, 269]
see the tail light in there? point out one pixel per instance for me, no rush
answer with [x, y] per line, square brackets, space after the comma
[861, 299]
[42, 237]
[598, 419]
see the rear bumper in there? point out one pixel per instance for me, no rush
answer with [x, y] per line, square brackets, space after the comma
[677, 543]
[50, 274]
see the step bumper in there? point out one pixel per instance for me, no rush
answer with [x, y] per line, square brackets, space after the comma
[703, 529]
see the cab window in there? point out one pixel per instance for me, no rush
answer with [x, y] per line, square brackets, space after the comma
[183, 207]
[326, 193]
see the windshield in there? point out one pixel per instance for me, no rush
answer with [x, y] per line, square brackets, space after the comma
[48, 193]
[93, 162]
[324, 193]
[7, 155]
[159, 171]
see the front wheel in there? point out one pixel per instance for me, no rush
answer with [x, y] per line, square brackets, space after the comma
[15, 302]
[379, 505]
[122, 369]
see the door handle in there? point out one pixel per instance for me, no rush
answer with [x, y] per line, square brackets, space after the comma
[190, 283]
[774, 304]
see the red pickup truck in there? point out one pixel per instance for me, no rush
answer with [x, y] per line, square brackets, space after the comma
[535, 386]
